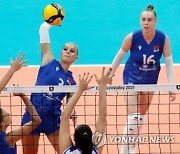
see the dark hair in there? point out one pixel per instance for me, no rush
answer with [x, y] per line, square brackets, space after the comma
[83, 139]
[151, 8]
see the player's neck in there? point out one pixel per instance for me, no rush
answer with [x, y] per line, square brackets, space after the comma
[65, 66]
[149, 36]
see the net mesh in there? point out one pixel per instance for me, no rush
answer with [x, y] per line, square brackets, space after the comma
[160, 132]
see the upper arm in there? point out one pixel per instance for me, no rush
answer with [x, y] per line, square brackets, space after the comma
[166, 49]
[17, 134]
[127, 43]
[47, 55]
[64, 134]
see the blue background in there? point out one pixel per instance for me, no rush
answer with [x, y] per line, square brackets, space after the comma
[97, 26]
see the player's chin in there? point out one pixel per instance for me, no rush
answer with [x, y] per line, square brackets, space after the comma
[145, 29]
[67, 60]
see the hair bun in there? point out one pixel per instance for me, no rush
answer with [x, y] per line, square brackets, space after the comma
[150, 7]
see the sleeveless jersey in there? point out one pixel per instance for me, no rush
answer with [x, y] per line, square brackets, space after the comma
[75, 150]
[4, 147]
[143, 65]
[51, 74]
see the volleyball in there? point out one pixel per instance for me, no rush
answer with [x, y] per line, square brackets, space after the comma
[53, 14]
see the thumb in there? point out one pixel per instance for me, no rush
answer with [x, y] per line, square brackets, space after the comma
[11, 61]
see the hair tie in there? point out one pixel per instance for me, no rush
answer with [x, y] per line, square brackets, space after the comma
[84, 134]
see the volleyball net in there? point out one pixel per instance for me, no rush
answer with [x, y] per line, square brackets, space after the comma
[160, 132]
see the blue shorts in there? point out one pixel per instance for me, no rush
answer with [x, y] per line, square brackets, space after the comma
[48, 125]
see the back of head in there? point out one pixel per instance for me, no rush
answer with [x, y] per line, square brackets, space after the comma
[83, 138]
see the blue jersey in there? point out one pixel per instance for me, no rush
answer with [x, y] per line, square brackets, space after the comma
[143, 65]
[4, 147]
[48, 104]
[51, 74]
[75, 150]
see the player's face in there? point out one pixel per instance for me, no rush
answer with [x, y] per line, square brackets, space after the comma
[69, 53]
[148, 21]
[6, 118]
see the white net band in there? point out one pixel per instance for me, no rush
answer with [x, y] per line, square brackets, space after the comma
[73, 88]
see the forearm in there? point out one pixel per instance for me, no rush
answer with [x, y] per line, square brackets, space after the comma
[102, 102]
[169, 69]
[6, 78]
[47, 55]
[32, 111]
[117, 60]
[44, 33]
[71, 104]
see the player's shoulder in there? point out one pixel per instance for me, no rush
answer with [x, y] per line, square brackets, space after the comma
[3, 138]
[136, 35]
[2, 134]
[72, 150]
[137, 32]
[161, 36]
[160, 32]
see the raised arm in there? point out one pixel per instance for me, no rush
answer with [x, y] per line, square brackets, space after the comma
[15, 66]
[64, 133]
[47, 55]
[16, 135]
[101, 121]
[73, 115]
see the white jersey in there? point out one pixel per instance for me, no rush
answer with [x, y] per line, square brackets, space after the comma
[75, 150]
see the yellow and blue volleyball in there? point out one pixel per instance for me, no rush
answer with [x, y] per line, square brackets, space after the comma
[53, 14]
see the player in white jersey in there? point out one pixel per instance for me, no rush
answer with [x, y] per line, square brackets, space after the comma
[85, 141]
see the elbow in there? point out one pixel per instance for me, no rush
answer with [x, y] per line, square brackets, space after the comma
[37, 120]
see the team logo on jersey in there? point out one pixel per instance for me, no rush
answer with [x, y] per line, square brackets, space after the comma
[139, 47]
[57, 68]
[69, 81]
[156, 48]
[61, 82]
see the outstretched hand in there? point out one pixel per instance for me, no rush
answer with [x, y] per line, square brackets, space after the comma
[84, 81]
[105, 77]
[18, 63]
[18, 94]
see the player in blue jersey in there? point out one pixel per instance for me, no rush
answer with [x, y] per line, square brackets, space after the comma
[51, 72]
[85, 141]
[143, 66]
[8, 140]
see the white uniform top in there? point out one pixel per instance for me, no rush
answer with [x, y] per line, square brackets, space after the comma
[75, 150]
